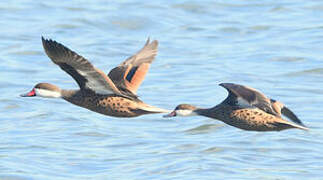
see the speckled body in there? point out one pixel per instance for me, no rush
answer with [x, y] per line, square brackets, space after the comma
[252, 119]
[112, 105]
[247, 109]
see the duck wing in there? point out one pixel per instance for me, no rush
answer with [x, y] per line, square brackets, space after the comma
[280, 108]
[84, 73]
[130, 74]
[244, 96]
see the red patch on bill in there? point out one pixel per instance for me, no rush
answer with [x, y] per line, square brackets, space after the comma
[32, 93]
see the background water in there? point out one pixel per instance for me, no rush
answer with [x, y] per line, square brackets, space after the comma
[273, 46]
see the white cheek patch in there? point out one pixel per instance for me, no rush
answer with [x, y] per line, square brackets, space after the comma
[185, 112]
[243, 103]
[47, 93]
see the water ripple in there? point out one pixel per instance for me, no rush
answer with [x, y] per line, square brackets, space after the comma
[274, 46]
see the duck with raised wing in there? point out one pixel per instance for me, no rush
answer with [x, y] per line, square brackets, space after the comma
[113, 94]
[246, 108]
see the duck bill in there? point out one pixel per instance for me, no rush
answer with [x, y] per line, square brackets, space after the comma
[30, 94]
[172, 114]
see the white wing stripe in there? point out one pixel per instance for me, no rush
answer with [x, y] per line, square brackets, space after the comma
[93, 83]
[243, 103]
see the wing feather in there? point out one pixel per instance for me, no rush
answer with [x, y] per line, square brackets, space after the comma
[84, 73]
[280, 108]
[130, 74]
[242, 95]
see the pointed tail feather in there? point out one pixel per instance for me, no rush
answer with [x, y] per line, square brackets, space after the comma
[287, 125]
[153, 109]
[300, 127]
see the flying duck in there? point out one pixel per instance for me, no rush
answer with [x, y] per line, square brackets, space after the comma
[114, 94]
[246, 108]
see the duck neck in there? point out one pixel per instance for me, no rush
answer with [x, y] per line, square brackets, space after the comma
[69, 94]
[201, 111]
[74, 96]
[210, 112]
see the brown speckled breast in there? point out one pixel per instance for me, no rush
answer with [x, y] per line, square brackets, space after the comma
[111, 105]
[252, 119]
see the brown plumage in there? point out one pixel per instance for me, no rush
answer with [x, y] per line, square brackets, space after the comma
[113, 95]
[246, 108]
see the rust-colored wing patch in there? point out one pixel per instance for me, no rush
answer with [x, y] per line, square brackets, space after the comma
[134, 69]
[135, 77]
[277, 106]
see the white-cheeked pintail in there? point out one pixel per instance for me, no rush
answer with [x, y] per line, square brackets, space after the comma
[113, 94]
[246, 108]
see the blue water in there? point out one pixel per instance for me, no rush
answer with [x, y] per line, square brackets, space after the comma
[273, 46]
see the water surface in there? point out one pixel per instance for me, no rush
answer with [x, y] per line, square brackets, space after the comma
[273, 46]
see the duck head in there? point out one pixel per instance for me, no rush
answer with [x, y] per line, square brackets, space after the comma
[183, 110]
[44, 90]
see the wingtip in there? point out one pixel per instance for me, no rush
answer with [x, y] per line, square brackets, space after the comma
[48, 44]
[148, 40]
[45, 41]
[153, 43]
[234, 86]
[224, 84]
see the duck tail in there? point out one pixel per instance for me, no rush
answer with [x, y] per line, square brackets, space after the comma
[303, 127]
[288, 125]
[153, 109]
